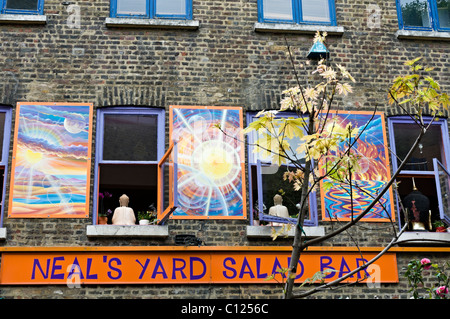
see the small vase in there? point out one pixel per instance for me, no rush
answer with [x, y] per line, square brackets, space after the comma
[144, 222]
[102, 220]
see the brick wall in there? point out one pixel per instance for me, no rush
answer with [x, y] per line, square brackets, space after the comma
[224, 63]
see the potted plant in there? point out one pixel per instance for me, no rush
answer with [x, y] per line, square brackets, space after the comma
[144, 217]
[147, 217]
[439, 226]
[102, 215]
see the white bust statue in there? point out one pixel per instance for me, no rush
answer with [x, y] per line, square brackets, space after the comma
[278, 209]
[124, 215]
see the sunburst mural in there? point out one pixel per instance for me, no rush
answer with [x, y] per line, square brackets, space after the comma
[370, 180]
[210, 161]
[51, 160]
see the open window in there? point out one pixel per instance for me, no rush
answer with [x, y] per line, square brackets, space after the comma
[266, 180]
[167, 184]
[5, 129]
[130, 143]
[426, 169]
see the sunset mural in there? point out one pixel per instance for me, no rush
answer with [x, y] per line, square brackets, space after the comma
[370, 179]
[51, 161]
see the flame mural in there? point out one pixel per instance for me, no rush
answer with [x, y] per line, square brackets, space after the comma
[210, 161]
[372, 178]
[51, 161]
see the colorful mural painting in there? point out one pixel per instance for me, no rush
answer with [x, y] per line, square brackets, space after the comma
[51, 161]
[211, 160]
[372, 177]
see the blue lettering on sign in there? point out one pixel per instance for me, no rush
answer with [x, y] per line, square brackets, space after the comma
[156, 269]
[245, 266]
[88, 271]
[233, 271]
[117, 270]
[56, 267]
[75, 266]
[38, 265]
[191, 266]
[258, 270]
[144, 267]
[342, 272]
[359, 262]
[178, 269]
[326, 265]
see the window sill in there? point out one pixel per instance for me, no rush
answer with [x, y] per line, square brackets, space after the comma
[414, 238]
[152, 23]
[127, 231]
[2, 233]
[266, 231]
[297, 28]
[422, 35]
[23, 19]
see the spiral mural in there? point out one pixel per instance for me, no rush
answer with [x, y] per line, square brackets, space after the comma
[210, 161]
[370, 180]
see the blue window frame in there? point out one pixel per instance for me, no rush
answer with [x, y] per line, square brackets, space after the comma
[266, 179]
[420, 170]
[152, 9]
[129, 145]
[297, 11]
[424, 15]
[5, 135]
[22, 6]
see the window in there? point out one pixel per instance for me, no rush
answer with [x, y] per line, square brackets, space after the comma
[5, 128]
[425, 15]
[297, 11]
[151, 9]
[130, 141]
[22, 6]
[266, 180]
[419, 171]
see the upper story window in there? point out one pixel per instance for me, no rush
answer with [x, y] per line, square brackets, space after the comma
[22, 6]
[297, 11]
[152, 9]
[419, 173]
[130, 142]
[5, 128]
[424, 15]
[266, 178]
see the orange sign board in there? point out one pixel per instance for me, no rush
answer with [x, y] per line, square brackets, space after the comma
[190, 267]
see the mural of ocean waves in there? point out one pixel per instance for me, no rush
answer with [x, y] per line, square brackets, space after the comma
[339, 206]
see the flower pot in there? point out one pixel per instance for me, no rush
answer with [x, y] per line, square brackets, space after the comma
[144, 222]
[102, 220]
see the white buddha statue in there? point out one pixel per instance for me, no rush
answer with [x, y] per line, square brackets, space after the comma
[124, 215]
[278, 209]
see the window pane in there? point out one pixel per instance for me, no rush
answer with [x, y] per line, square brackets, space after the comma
[278, 9]
[2, 132]
[430, 146]
[170, 7]
[130, 137]
[443, 7]
[273, 184]
[316, 10]
[132, 7]
[415, 13]
[22, 4]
